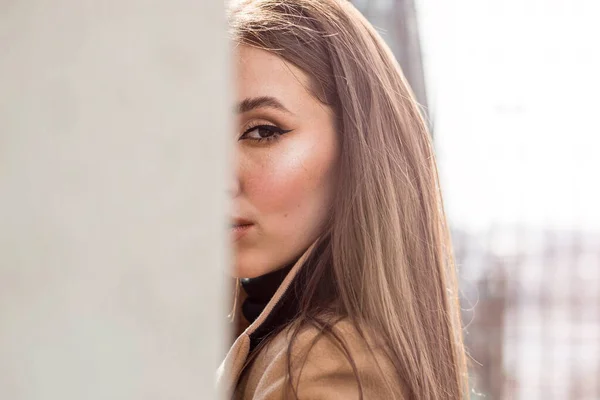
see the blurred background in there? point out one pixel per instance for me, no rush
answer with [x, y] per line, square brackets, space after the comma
[510, 89]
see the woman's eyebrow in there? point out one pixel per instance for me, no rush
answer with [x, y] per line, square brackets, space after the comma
[252, 103]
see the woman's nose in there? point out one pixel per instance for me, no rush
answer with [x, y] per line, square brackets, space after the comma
[234, 185]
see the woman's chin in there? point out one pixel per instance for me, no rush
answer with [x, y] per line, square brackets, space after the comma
[247, 270]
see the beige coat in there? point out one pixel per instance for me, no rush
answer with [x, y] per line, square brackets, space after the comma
[320, 370]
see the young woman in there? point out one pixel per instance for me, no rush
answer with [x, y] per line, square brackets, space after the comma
[338, 226]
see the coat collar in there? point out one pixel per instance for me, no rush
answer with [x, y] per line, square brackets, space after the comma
[230, 369]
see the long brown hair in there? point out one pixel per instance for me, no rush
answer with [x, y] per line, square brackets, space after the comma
[386, 259]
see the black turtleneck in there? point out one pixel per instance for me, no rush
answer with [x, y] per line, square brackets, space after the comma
[260, 290]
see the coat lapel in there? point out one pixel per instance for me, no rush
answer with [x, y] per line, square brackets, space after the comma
[231, 368]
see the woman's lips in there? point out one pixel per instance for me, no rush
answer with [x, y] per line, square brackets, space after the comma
[240, 230]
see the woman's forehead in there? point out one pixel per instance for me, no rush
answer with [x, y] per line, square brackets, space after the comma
[262, 73]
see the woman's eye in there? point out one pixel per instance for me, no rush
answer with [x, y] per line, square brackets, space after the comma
[263, 132]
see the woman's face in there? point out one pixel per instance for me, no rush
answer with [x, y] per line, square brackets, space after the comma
[286, 152]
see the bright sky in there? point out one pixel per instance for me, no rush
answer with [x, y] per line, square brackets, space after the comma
[514, 90]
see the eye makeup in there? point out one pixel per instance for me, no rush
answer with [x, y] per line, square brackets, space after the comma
[263, 133]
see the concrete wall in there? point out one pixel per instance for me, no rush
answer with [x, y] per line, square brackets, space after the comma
[113, 127]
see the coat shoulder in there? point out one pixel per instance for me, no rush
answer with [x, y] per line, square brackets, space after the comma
[308, 361]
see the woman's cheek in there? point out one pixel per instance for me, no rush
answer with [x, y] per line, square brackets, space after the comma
[281, 184]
